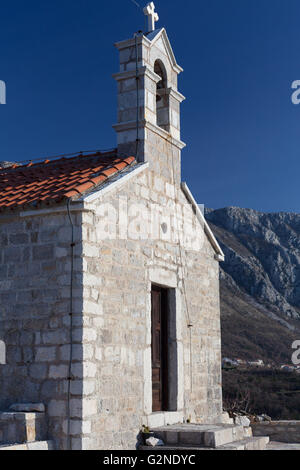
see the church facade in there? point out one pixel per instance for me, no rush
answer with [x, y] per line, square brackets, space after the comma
[109, 278]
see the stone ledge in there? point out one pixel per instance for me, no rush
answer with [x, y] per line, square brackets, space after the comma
[28, 407]
[37, 445]
[163, 418]
[281, 431]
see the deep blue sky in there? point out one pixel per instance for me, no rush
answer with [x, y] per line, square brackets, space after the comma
[240, 58]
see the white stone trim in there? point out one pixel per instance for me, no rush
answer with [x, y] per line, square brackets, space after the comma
[163, 277]
[210, 235]
[74, 207]
[131, 42]
[142, 71]
[129, 125]
[171, 92]
[176, 94]
[147, 380]
[115, 183]
[143, 124]
[180, 353]
[164, 134]
[167, 279]
[124, 126]
[154, 36]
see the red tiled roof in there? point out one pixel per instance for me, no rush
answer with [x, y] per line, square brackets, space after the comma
[53, 181]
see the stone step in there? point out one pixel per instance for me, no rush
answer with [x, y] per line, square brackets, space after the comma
[36, 445]
[250, 443]
[19, 427]
[201, 435]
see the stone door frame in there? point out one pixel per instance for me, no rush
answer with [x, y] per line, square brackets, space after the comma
[166, 279]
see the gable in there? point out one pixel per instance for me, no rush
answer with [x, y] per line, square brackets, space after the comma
[160, 41]
[131, 176]
[207, 230]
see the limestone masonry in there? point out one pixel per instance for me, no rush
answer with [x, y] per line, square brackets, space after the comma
[99, 394]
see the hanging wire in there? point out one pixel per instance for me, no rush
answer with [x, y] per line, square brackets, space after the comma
[70, 377]
[137, 4]
[137, 97]
[189, 323]
[142, 10]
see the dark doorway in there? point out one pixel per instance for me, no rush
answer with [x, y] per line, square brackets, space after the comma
[159, 318]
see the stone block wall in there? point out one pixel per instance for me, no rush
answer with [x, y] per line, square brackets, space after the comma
[281, 431]
[117, 317]
[17, 428]
[156, 140]
[34, 314]
[111, 390]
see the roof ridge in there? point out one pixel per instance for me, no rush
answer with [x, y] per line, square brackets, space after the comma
[68, 156]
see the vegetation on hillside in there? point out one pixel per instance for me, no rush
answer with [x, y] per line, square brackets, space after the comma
[248, 333]
[262, 391]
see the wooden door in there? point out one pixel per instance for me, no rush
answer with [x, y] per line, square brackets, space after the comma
[159, 297]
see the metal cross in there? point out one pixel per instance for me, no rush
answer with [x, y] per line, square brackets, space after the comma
[152, 16]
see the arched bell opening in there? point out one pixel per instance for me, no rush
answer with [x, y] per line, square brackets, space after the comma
[162, 97]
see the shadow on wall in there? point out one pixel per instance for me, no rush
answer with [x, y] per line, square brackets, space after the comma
[18, 428]
[35, 321]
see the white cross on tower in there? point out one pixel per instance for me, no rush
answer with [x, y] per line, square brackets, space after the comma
[152, 16]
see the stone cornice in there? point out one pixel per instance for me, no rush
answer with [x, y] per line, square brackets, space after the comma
[171, 92]
[165, 135]
[124, 126]
[176, 94]
[129, 125]
[142, 71]
[131, 42]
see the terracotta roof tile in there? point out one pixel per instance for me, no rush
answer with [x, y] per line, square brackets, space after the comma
[56, 180]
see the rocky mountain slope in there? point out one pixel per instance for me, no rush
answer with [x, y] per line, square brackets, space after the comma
[260, 282]
[5, 164]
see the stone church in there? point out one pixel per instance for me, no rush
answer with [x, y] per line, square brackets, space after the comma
[109, 275]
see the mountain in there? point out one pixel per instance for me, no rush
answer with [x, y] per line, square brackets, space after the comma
[6, 164]
[260, 282]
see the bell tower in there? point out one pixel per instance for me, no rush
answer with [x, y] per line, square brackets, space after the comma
[148, 124]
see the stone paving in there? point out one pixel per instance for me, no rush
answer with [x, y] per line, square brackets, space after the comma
[273, 445]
